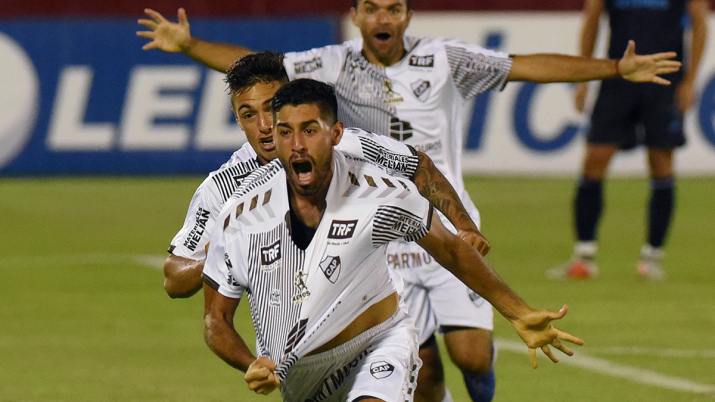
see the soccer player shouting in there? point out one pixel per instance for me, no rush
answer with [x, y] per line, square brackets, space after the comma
[305, 238]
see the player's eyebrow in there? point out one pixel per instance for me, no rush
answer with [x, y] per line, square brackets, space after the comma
[305, 124]
[302, 125]
[245, 106]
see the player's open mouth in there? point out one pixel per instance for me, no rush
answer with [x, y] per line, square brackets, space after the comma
[383, 36]
[267, 143]
[303, 171]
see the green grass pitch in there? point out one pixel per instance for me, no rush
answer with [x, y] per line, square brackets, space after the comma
[84, 317]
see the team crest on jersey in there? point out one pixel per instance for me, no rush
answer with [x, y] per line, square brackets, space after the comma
[270, 255]
[381, 369]
[426, 61]
[331, 268]
[342, 229]
[421, 89]
[308, 66]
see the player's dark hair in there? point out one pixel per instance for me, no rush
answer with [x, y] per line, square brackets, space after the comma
[263, 67]
[356, 2]
[306, 91]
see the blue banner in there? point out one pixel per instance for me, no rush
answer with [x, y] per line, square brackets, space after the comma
[81, 97]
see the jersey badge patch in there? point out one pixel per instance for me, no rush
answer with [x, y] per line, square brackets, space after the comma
[421, 89]
[303, 292]
[331, 268]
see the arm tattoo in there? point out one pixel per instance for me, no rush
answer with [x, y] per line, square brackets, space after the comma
[432, 185]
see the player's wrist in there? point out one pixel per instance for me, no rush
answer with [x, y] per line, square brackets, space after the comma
[617, 68]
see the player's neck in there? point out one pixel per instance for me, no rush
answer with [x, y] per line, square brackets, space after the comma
[309, 208]
[384, 61]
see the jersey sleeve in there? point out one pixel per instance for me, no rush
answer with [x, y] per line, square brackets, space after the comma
[475, 69]
[191, 239]
[408, 218]
[322, 63]
[395, 157]
[223, 270]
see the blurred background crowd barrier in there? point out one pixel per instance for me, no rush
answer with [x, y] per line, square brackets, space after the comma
[79, 96]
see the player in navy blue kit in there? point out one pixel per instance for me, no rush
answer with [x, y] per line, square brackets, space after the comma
[626, 115]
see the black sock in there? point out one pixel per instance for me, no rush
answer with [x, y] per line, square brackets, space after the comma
[660, 209]
[588, 205]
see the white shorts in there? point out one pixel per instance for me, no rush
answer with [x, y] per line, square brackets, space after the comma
[382, 362]
[435, 298]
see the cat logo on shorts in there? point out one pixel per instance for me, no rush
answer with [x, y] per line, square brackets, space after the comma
[381, 369]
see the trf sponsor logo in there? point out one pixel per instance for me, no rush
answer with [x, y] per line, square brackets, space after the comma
[422, 61]
[342, 229]
[270, 255]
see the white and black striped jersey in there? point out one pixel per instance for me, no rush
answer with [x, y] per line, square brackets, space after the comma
[300, 299]
[209, 197]
[424, 100]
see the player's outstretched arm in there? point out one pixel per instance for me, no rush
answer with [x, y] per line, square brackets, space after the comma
[698, 13]
[533, 326]
[176, 37]
[182, 276]
[220, 334]
[435, 187]
[633, 67]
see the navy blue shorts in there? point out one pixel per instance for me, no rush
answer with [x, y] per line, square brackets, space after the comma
[628, 115]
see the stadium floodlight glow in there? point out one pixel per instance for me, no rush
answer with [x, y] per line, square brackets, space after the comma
[18, 99]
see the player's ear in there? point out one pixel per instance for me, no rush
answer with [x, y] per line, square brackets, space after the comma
[353, 14]
[337, 132]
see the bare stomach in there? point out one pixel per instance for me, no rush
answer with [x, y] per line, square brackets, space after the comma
[374, 315]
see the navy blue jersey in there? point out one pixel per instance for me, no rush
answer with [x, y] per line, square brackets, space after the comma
[655, 25]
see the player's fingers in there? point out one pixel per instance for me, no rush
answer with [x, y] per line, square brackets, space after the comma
[532, 358]
[154, 15]
[660, 81]
[147, 23]
[557, 315]
[257, 374]
[146, 34]
[664, 56]
[565, 336]
[563, 348]
[547, 351]
[181, 15]
[665, 70]
[151, 45]
[630, 49]
[669, 63]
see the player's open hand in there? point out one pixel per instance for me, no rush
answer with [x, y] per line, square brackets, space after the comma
[536, 331]
[476, 240]
[261, 377]
[163, 34]
[647, 68]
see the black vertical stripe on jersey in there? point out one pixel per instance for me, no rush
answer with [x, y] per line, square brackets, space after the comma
[273, 324]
